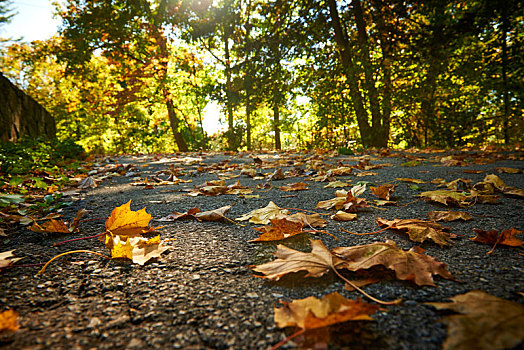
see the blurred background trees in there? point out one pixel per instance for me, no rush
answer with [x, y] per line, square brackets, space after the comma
[137, 75]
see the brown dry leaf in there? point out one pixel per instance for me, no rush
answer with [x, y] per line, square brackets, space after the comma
[76, 221]
[9, 321]
[336, 184]
[457, 184]
[452, 161]
[278, 230]
[137, 249]
[501, 170]
[125, 222]
[263, 215]
[298, 186]
[384, 191]
[366, 173]
[337, 203]
[419, 230]
[213, 215]
[277, 175]
[447, 216]
[190, 214]
[484, 322]
[353, 203]
[311, 313]
[410, 265]
[341, 171]
[317, 263]
[445, 197]
[7, 259]
[88, 182]
[51, 226]
[307, 220]
[343, 216]
[494, 237]
[415, 181]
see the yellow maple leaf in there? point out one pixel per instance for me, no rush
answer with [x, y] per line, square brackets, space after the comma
[137, 249]
[125, 222]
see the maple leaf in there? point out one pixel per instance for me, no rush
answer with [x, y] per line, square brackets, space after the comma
[317, 263]
[298, 186]
[484, 322]
[137, 249]
[409, 265]
[263, 215]
[125, 222]
[445, 197]
[7, 259]
[51, 226]
[352, 203]
[335, 184]
[278, 230]
[311, 313]
[448, 216]
[277, 175]
[307, 220]
[341, 171]
[9, 321]
[337, 203]
[493, 237]
[190, 214]
[384, 191]
[419, 230]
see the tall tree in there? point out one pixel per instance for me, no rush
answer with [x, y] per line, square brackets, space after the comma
[132, 33]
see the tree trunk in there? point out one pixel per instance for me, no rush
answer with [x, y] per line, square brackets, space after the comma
[505, 92]
[229, 102]
[173, 120]
[347, 61]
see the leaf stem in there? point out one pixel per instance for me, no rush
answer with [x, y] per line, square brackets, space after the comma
[282, 342]
[70, 252]
[79, 239]
[394, 302]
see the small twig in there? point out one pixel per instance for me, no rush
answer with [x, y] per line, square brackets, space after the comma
[282, 342]
[394, 302]
[367, 233]
[405, 205]
[70, 252]
[79, 239]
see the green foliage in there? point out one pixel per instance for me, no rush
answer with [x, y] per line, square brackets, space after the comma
[37, 155]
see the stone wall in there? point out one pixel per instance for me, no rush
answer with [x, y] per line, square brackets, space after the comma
[21, 115]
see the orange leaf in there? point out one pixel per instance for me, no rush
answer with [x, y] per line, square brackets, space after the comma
[311, 313]
[278, 230]
[8, 321]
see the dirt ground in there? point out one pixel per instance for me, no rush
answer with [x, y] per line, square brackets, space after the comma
[202, 294]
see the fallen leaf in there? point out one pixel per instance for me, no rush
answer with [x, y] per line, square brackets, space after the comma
[336, 184]
[366, 173]
[88, 182]
[484, 322]
[419, 230]
[506, 170]
[190, 214]
[137, 249]
[125, 222]
[277, 175]
[343, 216]
[384, 191]
[415, 181]
[317, 263]
[298, 186]
[494, 237]
[337, 203]
[264, 215]
[9, 321]
[341, 171]
[311, 220]
[448, 216]
[457, 184]
[445, 197]
[278, 230]
[7, 259]
[311, 313]
[214, 215]
[51, 226]
[410, 265]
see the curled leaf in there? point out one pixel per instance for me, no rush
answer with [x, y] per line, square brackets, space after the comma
[264, 215]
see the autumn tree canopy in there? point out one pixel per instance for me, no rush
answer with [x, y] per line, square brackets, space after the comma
[136, 76]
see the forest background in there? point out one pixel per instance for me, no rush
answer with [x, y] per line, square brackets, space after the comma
[134, 76]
